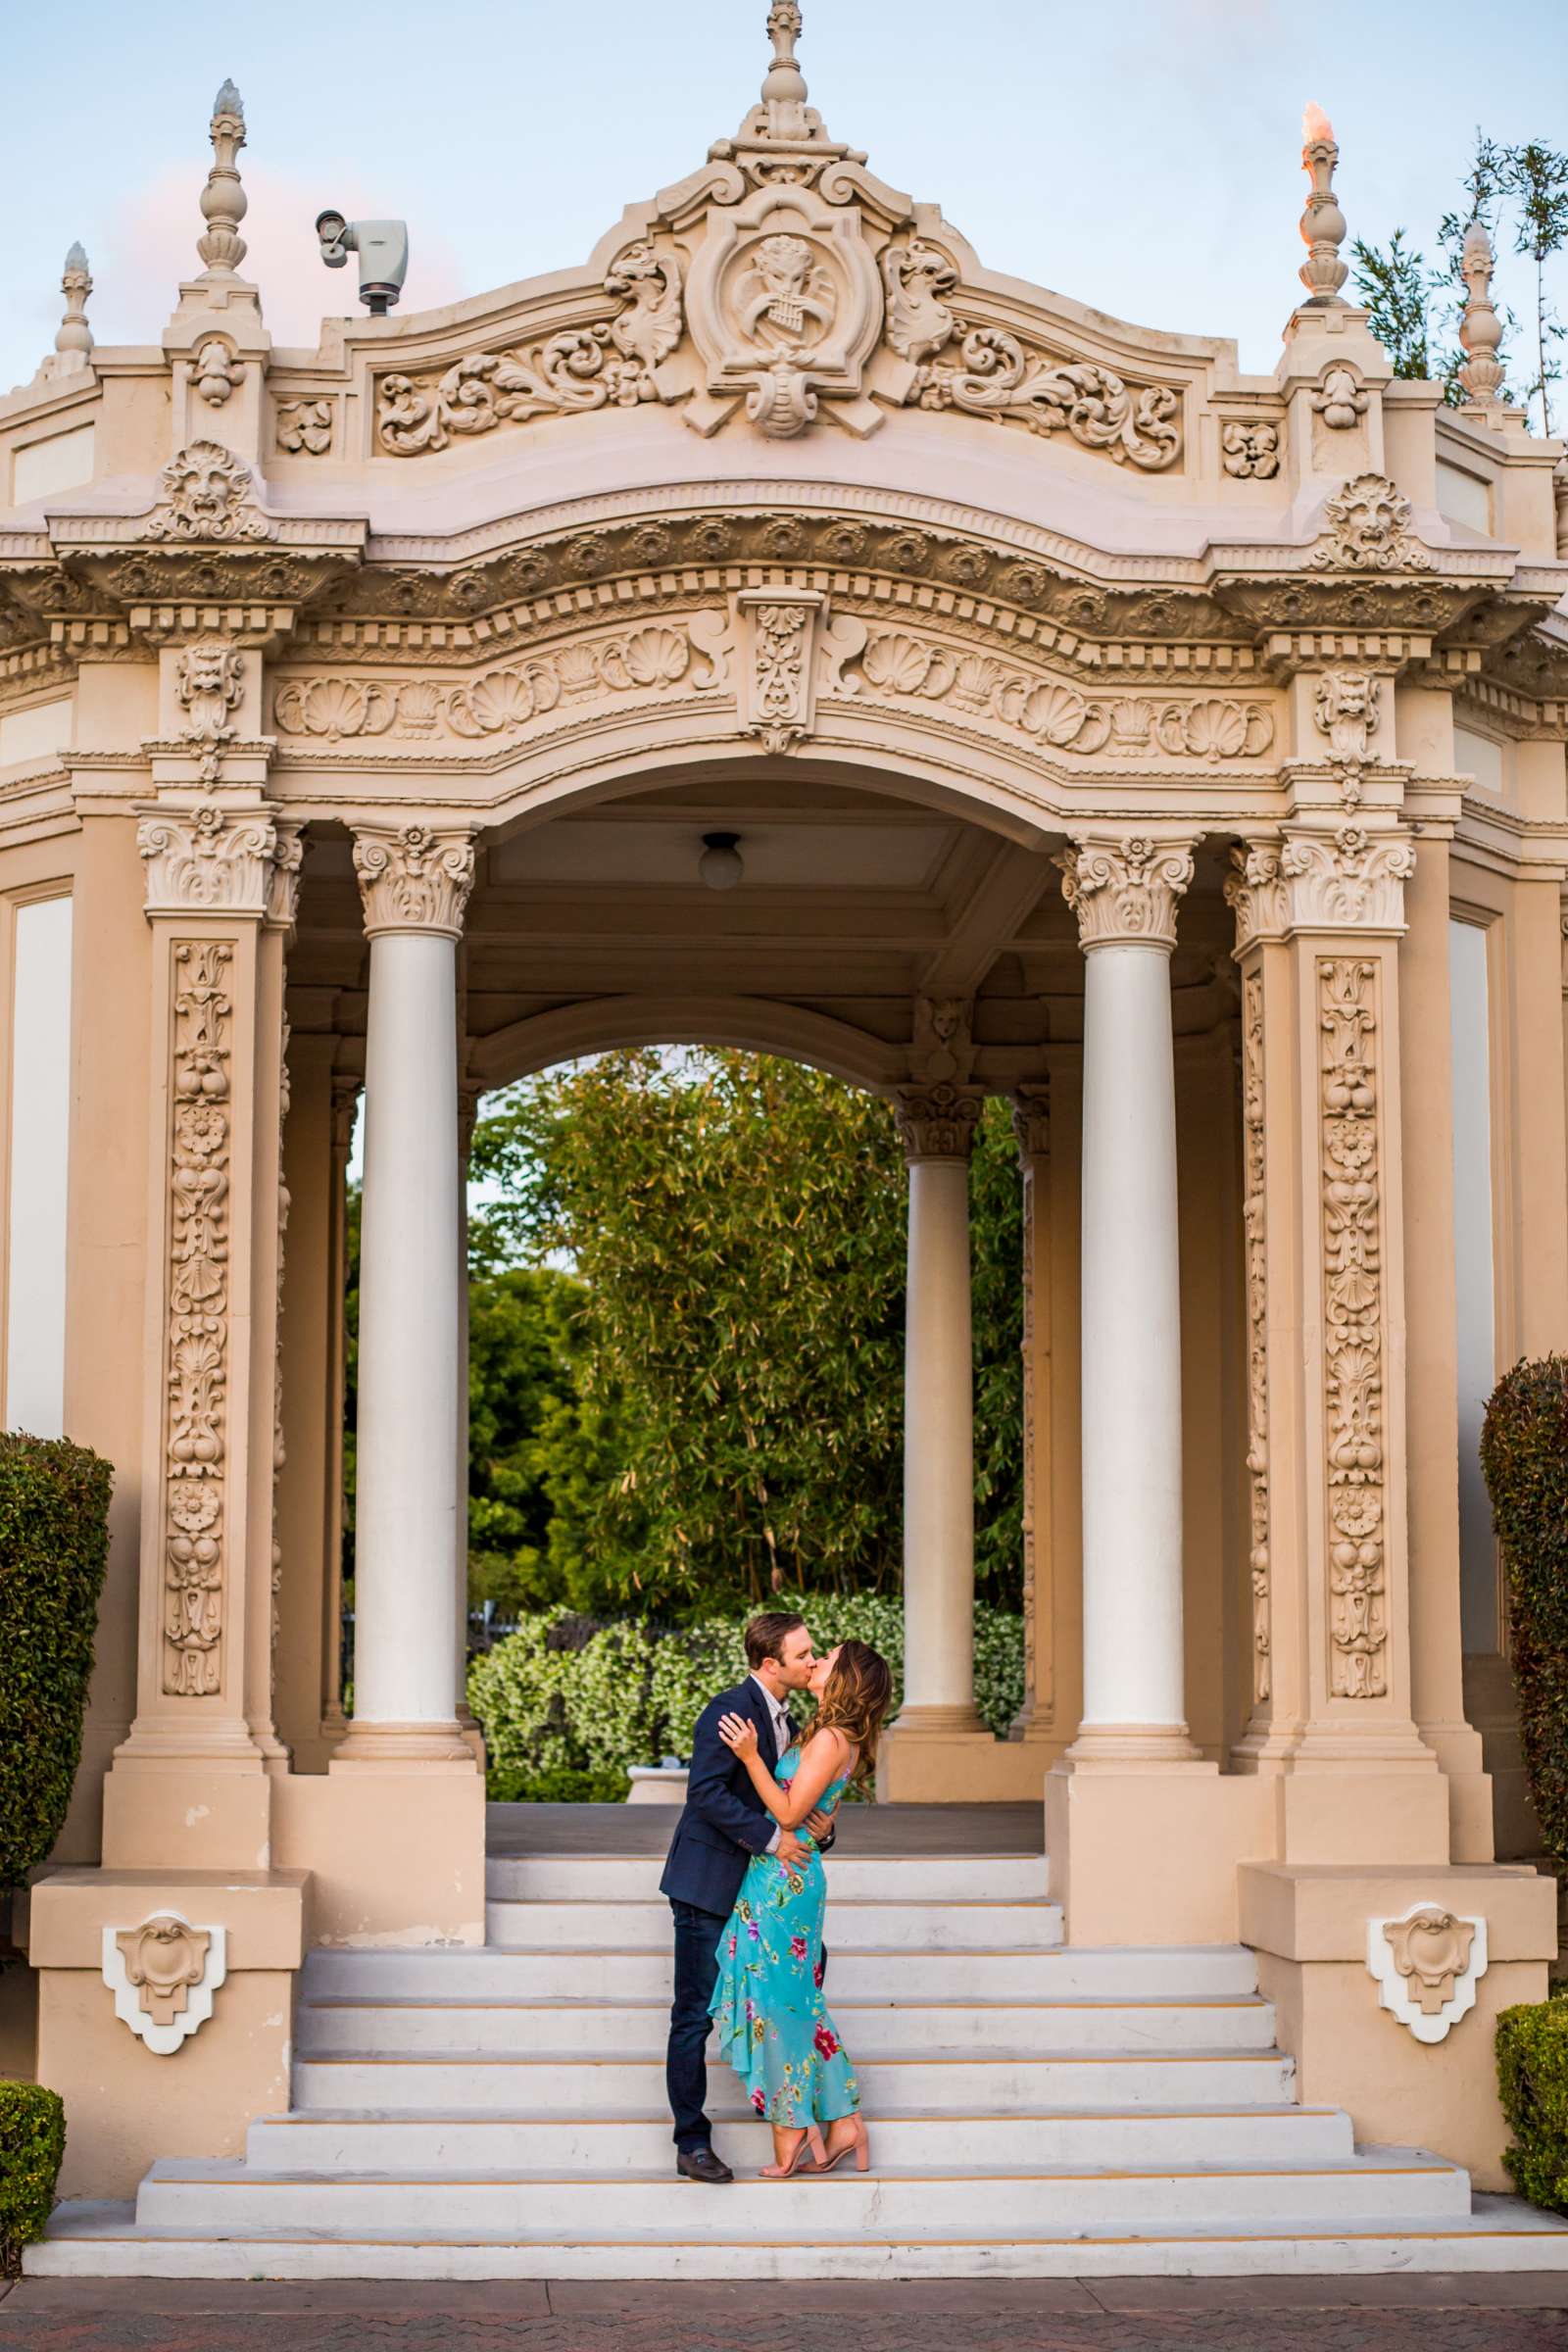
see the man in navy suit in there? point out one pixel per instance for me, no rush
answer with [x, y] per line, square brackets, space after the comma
[724, 1824]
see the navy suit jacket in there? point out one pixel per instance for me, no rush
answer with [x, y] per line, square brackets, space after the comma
[724, 1821]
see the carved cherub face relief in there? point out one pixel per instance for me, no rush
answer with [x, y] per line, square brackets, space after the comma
[786, 299]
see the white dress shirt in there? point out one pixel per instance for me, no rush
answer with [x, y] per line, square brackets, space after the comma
[779, 1717]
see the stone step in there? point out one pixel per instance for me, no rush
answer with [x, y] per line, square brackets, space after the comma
[857, 1925]
[852, 1876]
[451, 2084]
[1061, 2138]
[618, 2036]
[88, 2240]
[217, 2195]
[1063, 1972]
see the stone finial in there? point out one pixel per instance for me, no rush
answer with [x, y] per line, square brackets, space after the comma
[73, 336]
[223, 205]
[1479, 329]
[783, 116]
[1323, 224]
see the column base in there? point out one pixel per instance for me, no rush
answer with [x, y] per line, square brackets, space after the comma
[440, 1746]
[921, 1762]
[1134, 1743]
[396, 1851]
[1146, 1851]
[190, 1810]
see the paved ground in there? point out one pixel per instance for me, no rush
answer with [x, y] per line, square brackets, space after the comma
[1136, 2315]
[863, 1829]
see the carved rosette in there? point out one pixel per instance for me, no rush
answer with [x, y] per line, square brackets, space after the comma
[415, 878]
[197, 1359]
[1349, 1002]
[1255, 1242]
[1125, 893]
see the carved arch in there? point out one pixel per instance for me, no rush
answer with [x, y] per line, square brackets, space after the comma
[755, 1024]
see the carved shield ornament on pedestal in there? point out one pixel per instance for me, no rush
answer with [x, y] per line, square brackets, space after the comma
[1427, 1964]
[785, 304]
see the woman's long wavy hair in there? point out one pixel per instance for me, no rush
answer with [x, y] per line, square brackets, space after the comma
[854, 1699]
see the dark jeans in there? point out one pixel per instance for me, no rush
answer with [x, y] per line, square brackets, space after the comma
[697, 1935]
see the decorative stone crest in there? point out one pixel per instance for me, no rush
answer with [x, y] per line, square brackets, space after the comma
[208, 493]
[1348, 1009]
[1125, 893]
[208, 682]
[785, 307]
[416, 879]
[1369, 530]
[164, 1976]
[1344, 703]
[305, 427]
[1427, 1963]
[1249, 449]
[1341, 402]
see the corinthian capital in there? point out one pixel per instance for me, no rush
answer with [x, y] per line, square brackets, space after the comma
[1352, 881]
[938, 1121]
[414, 877]
[1126, 891]
[1256, 893]
[208, 859]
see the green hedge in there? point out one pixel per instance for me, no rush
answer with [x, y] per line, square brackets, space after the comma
[33, 2141]
[1524, 1454]
[566, 1694]
[54, 1547]
[1533, 2081]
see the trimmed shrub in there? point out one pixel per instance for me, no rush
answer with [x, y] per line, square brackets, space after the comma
[1523, 1455]
[53, 1549]
[1533, 2082]
[562, 1786]
[563, 1694]
[33, 2141]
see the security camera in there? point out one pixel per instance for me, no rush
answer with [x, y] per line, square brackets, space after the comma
[383, 250]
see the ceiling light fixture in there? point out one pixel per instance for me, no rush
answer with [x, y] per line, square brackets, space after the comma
[721, 864]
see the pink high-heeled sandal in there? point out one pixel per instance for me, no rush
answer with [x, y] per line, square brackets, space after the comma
[811, 2138]
[862, 2145]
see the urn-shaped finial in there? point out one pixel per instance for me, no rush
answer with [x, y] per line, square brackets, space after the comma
[1479, 329]
[73, 336]
[223, 203]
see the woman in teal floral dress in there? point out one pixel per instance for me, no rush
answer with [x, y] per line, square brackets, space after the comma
[773, 2025]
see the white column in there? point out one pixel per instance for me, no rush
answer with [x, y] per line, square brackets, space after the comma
[468, 1098]
[938, 1128]
[414, 883]
[1125, 896]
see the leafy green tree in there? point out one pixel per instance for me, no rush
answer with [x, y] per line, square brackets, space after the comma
[736, 1224]
[1536, 179]
[1394, 283]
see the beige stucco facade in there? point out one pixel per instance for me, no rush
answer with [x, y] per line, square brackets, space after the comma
[1103, 728]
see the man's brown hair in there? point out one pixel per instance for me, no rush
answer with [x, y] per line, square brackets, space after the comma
[766, 1636]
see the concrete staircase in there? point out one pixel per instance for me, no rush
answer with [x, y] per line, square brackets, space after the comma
[1034, 2111]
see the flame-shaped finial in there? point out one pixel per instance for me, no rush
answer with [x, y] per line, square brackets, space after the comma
[1479, 329]
[73, 336]
[223, 203]
[1323, 224]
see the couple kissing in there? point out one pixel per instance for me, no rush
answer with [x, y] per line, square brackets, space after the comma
[747, 1890]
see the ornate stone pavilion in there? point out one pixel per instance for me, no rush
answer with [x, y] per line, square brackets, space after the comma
[1175, 752]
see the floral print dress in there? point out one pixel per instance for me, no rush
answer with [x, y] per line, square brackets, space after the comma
[773, 2025]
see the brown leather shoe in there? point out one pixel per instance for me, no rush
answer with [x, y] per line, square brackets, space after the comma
[700, 2164]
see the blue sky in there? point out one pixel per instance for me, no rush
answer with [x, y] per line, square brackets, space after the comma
[1142, 157]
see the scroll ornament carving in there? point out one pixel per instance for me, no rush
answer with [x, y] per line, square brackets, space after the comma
[580, 368]
[781, 648]
[898, 663]
[415, 879]
[1369, 530]
[1352, 1326]
[1125, 893]
[1253, 1227]
[1354, 882]
[208, 859]
[1427, 1964]
[208, 682]
[993, 374]
[164, 1976]
[208, 493]
[197, 1327]
[1249, 449]
[653, 659]
[305, 427]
